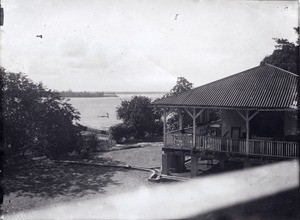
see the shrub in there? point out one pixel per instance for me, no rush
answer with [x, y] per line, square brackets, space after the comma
[139, 117]
[90, 142]
[121, 132]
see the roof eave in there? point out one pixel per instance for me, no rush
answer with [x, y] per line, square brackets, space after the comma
[225, 107]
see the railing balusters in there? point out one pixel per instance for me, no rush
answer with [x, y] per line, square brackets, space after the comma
[256, 147]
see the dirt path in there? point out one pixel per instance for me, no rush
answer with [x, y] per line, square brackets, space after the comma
[44, 183]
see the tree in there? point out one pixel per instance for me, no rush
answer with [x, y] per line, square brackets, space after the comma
[139, 116]
[182, 85]
[285, 55]
[36, 121]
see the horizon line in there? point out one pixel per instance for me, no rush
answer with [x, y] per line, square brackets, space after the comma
[113, 91]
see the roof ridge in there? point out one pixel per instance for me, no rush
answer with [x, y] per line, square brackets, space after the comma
[281, 69]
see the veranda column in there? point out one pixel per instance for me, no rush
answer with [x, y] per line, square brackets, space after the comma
[247, 120]
[180, 120]
[194, 128]
[165, 157]
[165, 125]
[194, 158]
[181, 158]
[247, 132]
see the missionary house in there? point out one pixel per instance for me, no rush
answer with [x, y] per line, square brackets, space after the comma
[257, 120]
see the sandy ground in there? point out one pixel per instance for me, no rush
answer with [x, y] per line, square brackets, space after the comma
[148, 156]
[45, 183]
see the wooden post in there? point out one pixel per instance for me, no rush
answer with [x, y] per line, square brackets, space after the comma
[194, 128]
[222, 163]
[165, 164]
[194, 166]
[181, 158]
[165, 126]
[194, 117]
[247, 120]
[181, 163]
[247, 163]
[247, 132]
[180, 120]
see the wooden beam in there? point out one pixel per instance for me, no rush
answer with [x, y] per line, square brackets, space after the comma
[253, 115]
[188, 112]
[238, 111]
[199, 113]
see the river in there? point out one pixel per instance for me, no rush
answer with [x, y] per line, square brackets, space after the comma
[100, 113]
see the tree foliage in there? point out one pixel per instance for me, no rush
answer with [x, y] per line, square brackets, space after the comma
[139, 117]
[182, 85]
[285, 55]
[36, 121]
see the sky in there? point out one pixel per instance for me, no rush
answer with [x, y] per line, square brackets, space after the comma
[139, 45]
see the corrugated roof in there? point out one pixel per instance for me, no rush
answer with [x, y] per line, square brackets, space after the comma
[261, 87]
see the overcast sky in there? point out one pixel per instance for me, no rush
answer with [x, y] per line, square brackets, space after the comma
[139, 45]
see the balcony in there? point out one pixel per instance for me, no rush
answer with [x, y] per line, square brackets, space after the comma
[271, 148]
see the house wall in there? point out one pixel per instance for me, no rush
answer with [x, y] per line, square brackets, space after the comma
[229, 119]
[290, 123]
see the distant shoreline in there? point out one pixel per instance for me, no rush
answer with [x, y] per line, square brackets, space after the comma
[85, 94]
[89, 96]
[140, 92]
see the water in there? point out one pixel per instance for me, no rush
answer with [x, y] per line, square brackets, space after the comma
[94, 111]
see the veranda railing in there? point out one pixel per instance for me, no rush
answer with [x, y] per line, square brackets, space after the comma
[256, 147]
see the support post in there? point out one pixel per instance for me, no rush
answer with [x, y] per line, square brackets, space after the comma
[165, 125]
[180, 120]
[181, 163]
[194, 166]
[247, 163]
[222, 164]
[165, 164]
[247, 132]
[247, 120]
[194, 117]
[194, 128]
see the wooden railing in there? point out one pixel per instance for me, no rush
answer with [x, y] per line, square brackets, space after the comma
[256, 147]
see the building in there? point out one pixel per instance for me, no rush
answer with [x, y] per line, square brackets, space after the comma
[258, 120]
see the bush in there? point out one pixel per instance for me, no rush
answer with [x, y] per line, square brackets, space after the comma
[140, 119]
[92, 143]
[121, 132]
[105, 144]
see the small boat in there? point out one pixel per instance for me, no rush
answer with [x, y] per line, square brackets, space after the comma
[104, 116]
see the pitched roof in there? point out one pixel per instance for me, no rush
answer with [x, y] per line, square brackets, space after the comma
[264, 87]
